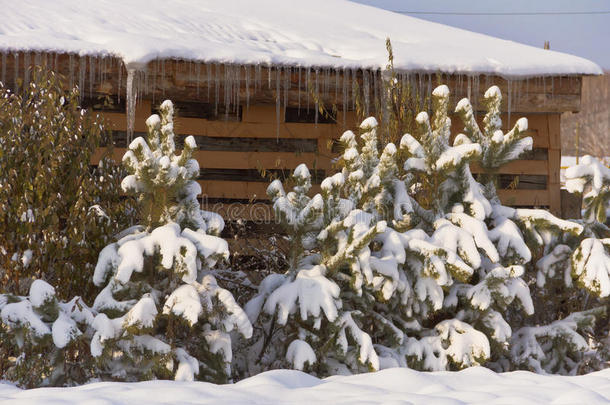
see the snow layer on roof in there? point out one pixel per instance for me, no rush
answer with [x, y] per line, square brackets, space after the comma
[332, 33]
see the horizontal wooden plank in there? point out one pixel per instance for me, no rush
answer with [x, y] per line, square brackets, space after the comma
[234, 189]
[242, 160]
[257, 192]
[533, 198]
[211, 143]
[260, 211]
[520, 167]
[522, 182]
[200, 126]
[536, 154]
[253, 145]
[239, 189]
[263, 175]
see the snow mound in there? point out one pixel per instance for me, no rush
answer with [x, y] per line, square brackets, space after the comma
[475, 385]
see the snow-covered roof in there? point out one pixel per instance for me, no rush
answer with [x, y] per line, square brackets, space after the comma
[332, 33]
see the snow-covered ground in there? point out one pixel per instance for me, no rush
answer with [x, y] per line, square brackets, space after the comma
[393, 386]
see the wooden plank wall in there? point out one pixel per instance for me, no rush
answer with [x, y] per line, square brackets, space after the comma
[237, 158]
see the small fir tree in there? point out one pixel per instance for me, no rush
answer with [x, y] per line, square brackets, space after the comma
[161, 312]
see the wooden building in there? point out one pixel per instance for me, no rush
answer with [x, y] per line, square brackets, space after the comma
[247, 94]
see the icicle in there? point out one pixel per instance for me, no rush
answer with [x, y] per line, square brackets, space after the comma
[307, 87]
[299, 93]
[3, 68]
[155, 72]
[71, 70]
[227, 89]
[216, 87]
[16, 71]
[354, 87]
[429, 90]
[344, 97]
[367, 91]
[208, 79]
[100, 69]
[520, 92]
[337, 78]
[163, 77]
[544, 85]
[326, 82]
[120, 69]
[287, 78]
[344, 90]
[247, 67]
[91, 75]
[237, 88]
[476, 95]
[145, 88]
[198, 68]
[82, 70]
[258, 79]
[375, 93]
[131, 99]
[278, 85]
[509, 100]
[317, 75]
[26, 70]
[269, 76]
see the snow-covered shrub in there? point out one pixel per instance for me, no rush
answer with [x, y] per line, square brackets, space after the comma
[43, 340]
[573, 278]
[161, 313]
[593, 175]
[56, 211]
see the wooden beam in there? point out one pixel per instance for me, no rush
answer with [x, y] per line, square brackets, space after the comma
[554, 186]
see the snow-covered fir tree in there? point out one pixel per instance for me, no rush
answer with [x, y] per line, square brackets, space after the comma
[161, 313]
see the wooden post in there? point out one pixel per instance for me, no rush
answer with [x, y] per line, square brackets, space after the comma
[554, 187]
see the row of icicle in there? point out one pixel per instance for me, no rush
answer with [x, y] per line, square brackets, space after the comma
[233, 85]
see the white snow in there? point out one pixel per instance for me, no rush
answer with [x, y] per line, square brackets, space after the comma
[298, 353]
[313, 291]
[333, 33]
[475, 385]
[369, 123]
[184, 301]
[40, 292]
[64, 329]
[142, 314]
